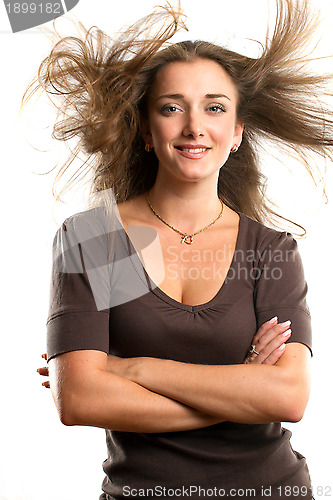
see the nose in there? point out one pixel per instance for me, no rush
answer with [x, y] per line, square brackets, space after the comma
[193, 125]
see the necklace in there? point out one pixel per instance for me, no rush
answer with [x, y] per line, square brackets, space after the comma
[186, 238]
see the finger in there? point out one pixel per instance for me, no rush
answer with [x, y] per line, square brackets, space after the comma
[267, 350]
[43, 371]
[253, 359]
[265, 327]
[270, 335]
[271, 353]
[275, 356]
[44, 356]
[46, 384]
[275, 343]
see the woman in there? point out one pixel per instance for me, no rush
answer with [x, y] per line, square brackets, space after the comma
[172, 344]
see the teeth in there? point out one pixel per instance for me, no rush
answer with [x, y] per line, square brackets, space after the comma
[198, 150]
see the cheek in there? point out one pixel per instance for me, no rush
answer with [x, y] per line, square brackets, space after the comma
[224, 133]
[164, 132]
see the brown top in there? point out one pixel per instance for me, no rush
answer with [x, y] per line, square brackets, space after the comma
[104, 300]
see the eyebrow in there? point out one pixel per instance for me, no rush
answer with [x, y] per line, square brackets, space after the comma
[180, 96]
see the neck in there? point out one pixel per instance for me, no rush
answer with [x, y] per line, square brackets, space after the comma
[187, 207]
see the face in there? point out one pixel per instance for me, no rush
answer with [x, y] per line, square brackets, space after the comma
[192, 122]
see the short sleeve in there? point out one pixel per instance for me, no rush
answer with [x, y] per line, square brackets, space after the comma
[281, 288]
[77, 318]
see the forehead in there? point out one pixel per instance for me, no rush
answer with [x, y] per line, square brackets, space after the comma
[201, 75]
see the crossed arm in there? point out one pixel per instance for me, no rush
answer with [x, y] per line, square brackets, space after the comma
[252, 394]
[157, 395]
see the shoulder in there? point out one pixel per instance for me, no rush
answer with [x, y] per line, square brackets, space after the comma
[92, 223]
[92, 218]
[258, 235]
[87, 235]
[266, 245]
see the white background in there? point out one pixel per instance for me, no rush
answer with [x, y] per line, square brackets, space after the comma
[40, 459]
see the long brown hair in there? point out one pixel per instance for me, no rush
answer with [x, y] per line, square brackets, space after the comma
[103, 85]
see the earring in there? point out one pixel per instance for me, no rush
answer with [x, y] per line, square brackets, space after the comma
[148, 148]
[234, 149]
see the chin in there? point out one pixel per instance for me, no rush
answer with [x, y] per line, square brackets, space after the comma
[194, 176]
[187, 170]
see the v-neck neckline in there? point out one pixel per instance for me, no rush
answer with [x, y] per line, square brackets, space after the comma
[164, 296]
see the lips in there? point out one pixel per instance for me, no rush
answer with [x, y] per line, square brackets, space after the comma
[193, 152]
[191, 147]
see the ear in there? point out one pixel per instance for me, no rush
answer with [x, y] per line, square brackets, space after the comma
[145, 130]
[238, 133]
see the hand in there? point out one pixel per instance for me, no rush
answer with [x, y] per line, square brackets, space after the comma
[269, 343]
[44, 371]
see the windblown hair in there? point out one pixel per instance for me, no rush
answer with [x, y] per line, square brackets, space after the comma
[103, 86]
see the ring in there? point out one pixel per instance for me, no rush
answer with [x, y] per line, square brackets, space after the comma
[253, 350]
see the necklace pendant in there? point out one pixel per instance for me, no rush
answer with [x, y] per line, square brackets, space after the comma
[188, 239]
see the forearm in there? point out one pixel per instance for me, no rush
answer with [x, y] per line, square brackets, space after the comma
[101, 399]
[232, 392]
[250, 394]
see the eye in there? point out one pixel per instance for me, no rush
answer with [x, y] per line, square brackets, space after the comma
[169, 109]
[217, 108]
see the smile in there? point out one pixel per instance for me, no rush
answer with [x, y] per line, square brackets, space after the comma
[192, 153]
[197, 150]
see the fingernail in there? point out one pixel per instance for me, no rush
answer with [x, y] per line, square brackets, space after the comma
[281, 348]
[37, 370]
[286, 323]
[44, 356]
[287, 333]
[273, 320]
